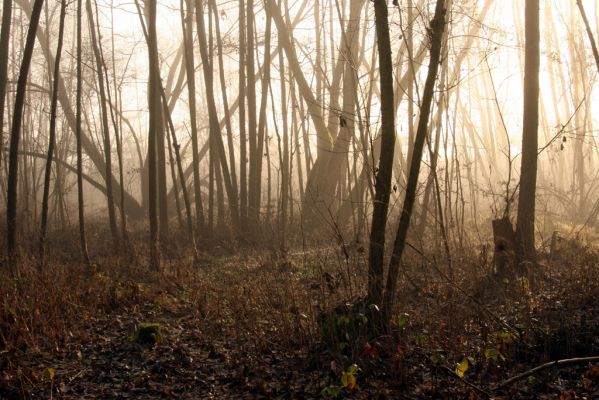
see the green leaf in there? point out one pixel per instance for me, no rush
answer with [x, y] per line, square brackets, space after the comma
[505, 280]
[363, 319]
[421, 340]
[437, 358]
[330, 391]
[506, 337]
[353, 369]
[494, 355]
[461, 368]
[404, 318]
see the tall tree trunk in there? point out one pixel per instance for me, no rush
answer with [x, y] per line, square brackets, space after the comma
[262, 119]
[15, 136]
[161, 149]
[437, 29]
[155, 107]
[179, 164]
[243, 175]
[227, 111]
[385, 170]
[4, 43]
[118, 133]
[215, 132]
[79, 137]
[52, 134]
[253, 211]
[187, 24]
[528, 170]
[105, 127]
[284, 157]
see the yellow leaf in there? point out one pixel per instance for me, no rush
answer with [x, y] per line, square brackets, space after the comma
[348, 380]
[48, 375]
[461, 368]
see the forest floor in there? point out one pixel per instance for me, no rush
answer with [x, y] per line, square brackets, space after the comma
[261, 325]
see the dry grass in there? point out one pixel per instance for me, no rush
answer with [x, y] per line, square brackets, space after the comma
[262, 300]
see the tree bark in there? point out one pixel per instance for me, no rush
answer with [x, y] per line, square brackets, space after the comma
[79, 138]
[383, 176]
[155, 107]
[528, 170]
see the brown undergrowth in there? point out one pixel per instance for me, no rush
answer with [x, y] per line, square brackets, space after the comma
[248, 323]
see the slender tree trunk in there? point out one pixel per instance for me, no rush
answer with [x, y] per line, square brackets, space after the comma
[587, 26]
[528, 175]
[161, 148]
[213, 115]
[15, 136]
[243, 158]
[437, 30]
[155, 107]
[78, 136]
[253, 212]
[171, 160]
[4, 43]
[52, 134]
[412, 82]
[187, 24]
[227, 117]
[284, 157]
[262, 119]
[105, 127]
[179, 163]
[117, 122]
[383, 176]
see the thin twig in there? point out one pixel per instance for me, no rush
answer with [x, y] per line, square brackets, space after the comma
[467, 382]
[556, 363]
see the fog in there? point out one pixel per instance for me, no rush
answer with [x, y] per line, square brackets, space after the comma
[481, 99]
